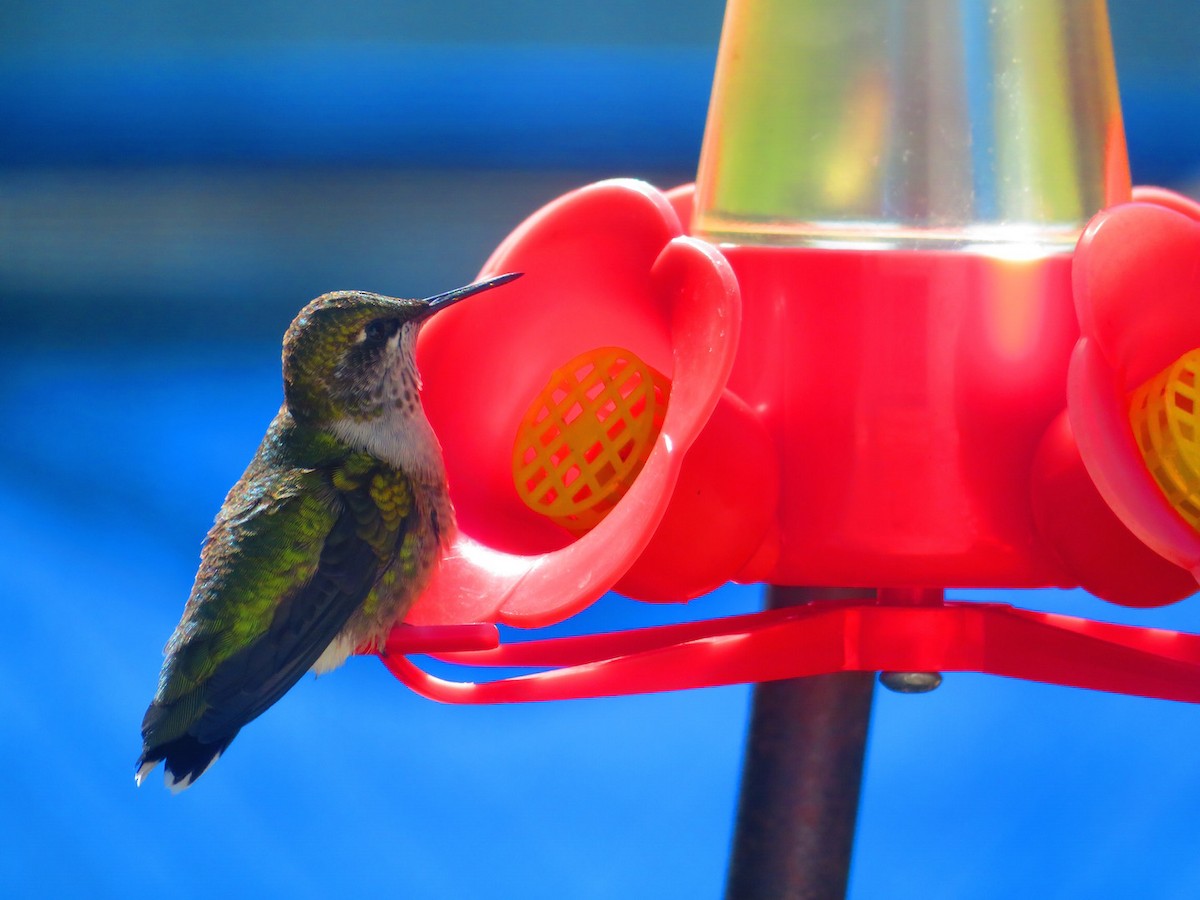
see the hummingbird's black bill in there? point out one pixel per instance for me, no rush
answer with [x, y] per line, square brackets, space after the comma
[438, 302]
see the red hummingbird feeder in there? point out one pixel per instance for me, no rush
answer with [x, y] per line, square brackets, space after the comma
[912, 330]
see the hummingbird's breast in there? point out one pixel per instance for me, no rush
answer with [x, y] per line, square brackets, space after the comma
[426, 535]
[420, 544]
[412, 479]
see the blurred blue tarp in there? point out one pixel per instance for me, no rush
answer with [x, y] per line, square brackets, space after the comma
[458, 106]
[986, 788]
[466, 106]
[177, 179]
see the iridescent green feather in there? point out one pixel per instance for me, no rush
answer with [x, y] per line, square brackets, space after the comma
[251, 561]
[263, 553]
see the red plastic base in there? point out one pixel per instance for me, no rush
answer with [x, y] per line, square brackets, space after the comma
[910, 633]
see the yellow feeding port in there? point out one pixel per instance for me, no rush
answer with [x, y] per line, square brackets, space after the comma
[586, 436]
[1163, 413]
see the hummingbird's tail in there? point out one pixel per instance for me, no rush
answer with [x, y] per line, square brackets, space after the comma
[185, 759]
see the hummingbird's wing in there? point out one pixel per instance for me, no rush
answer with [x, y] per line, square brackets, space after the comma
[291, 558]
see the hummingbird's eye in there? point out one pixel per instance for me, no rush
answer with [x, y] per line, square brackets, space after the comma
[379, 330]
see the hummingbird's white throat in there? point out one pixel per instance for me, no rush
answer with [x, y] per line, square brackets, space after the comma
[401, 434]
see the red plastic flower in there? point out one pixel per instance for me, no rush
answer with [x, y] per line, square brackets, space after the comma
[606, 266]
[1136, 281]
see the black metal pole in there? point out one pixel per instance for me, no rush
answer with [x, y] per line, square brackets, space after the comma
[801, 778]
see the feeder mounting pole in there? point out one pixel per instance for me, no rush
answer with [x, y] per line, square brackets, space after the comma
[801, 777]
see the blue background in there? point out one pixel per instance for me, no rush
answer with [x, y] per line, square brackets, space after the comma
[175, 180]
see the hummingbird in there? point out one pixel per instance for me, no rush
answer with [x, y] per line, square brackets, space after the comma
[327, 540]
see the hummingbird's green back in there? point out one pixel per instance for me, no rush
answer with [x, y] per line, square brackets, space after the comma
[302, 543]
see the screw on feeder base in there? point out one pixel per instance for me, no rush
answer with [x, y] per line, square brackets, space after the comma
[911, 682]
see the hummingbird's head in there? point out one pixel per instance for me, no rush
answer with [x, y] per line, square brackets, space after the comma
[349, 354]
